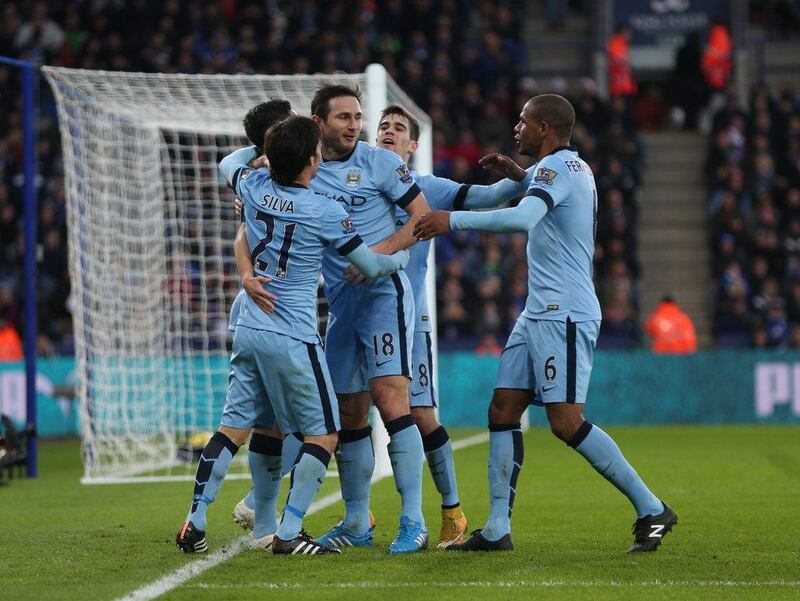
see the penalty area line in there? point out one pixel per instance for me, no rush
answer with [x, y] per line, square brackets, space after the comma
[196, 567]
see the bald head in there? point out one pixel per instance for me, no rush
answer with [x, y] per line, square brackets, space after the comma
[556, 111]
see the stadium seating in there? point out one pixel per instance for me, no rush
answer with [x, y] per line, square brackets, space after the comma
[753, 173]
[470, 80]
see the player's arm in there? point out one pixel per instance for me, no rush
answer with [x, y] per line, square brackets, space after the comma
[547, 191]
[233, 164]
[393, 178]
[337, 230]
[404, 237]
[486, 197]
[371, 264]
[256, 163]
[253, 284]
[521, 218]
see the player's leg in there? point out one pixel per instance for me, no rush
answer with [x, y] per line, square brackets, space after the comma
[307, 476]
[309, 406]
[211, 470]
[238, 418]
[264, 453]
[435, 442]
[385, 328]
[264, 458]
[390, 394]
[243, 513]
[355, 458]
[568, 373]
[514, 391]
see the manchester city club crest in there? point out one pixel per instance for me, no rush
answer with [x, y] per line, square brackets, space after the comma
[353, 178]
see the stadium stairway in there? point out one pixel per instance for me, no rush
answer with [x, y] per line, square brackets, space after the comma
[673, 240]
[776, 62]
[563, 52]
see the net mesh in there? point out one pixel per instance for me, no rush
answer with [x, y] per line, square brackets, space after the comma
[150, 231]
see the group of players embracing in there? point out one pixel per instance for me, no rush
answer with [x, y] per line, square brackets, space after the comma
[316, 199]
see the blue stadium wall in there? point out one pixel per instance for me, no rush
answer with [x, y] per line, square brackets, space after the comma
[636, 387]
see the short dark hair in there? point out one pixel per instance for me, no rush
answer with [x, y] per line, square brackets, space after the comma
[288, 145]
[396, 109]
[320, 104]
[557, 111]
[263, 116]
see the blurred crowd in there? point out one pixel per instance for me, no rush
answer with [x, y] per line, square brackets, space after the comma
[753, 171]
[465, 63]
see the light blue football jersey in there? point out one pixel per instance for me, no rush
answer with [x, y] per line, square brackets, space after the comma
[235, 309]
[441, 194]
[446, 195]
[289, 229]
[368, 183]
[561, 245]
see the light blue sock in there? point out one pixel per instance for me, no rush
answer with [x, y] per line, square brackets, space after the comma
[602, 452]
[356, 462]
[265, 468]
[290, 450]
[307, 476]
[406, 453]
[211, 471]
[439, 452]
[249, 500]
[506, 453]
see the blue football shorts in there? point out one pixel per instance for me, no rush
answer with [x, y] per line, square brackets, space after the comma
[273, 375]
[552, 359]
[422, 393]
[370, 333]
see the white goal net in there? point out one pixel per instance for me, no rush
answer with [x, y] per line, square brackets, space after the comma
[151, 228]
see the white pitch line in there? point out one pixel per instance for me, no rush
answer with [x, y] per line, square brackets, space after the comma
[503, 584]
[198, 566]
[174, 478]
[470, 441]
[233, 548]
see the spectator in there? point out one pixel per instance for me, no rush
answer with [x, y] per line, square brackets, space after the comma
[620, 75]
[689, 83]
[671, 330]
[717, 65]
[489, 346]
[40, 35]
[10, 343]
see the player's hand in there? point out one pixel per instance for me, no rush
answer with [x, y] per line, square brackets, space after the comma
[432, 224]
[259, 162]
[505, 166]
[237, 206]
[354, 277]
[254, 286]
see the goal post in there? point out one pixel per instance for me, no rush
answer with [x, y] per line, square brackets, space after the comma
[150, 235]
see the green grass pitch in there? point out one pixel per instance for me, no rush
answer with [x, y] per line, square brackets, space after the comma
[736, 490]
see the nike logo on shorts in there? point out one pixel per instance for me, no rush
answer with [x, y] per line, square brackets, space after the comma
[381, 363]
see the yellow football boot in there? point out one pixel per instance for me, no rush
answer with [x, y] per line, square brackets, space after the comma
[454, 527]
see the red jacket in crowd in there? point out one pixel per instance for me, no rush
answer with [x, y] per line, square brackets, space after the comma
[671, 330]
